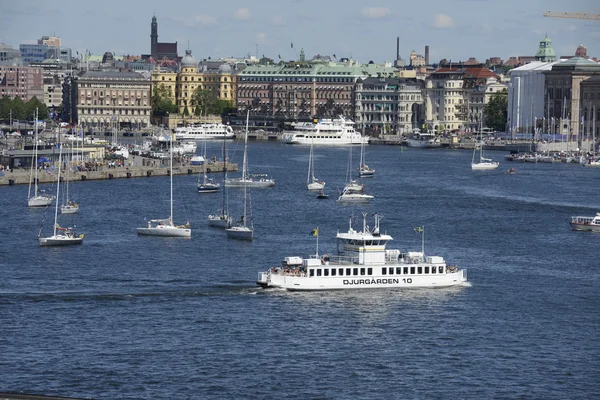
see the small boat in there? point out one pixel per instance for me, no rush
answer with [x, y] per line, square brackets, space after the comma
[39, 198]
[166, 227]
[511, 171]
[312, 183]
[484, 164]
[60, 236]
[322, 195]
[364, 171]
[352, 196]
[206, 185]
[242, 230]
[248, 180]
[420, 139]
[582, 223]
[363, 262]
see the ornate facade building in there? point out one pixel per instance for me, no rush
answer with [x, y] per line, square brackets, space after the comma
[389, 105]
[303, 89]
[182, 84]
[101, 99]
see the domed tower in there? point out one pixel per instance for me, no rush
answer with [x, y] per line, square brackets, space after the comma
[545, 52]
[188, 79]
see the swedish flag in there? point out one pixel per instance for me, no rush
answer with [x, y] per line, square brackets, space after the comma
[315, 232]
[419, 229]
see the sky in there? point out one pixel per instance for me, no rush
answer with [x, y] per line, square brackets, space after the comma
[365, 30]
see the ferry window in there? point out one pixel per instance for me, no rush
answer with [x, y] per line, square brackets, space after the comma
[433, 270]
[412, 270]
[405, 270]
[369, 271]
[333, 271]
[384, 271]
[362, 271]
[318, 271]
[426, 270]
[441, 270]
[312, 272]
[341, 271]
[348, 270]
[354, 271]
[419, 270]
[398, 270]
[326, 272]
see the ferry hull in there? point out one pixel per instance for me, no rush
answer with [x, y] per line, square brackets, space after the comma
[299, 283]
[585, 227]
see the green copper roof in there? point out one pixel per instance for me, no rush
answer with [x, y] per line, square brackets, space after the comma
[579, 64]
[545, 52]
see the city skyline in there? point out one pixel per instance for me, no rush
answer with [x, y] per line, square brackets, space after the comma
[456, 30]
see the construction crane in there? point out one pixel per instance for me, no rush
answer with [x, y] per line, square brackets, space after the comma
[575, 15]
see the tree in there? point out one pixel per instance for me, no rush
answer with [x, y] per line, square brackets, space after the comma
[161, 100]
[203, 101]
[496, 111]
[5, 108]
[18, 109]
[34, 104]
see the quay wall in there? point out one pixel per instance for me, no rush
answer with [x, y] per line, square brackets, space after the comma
[22, 176]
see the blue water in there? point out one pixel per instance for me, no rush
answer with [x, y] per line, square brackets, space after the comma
[128, 317]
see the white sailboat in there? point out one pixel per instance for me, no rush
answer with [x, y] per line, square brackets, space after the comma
[166, 227]
[60, 236]
[207, 185]
[242, 230]
[39, 199]
[483, 164]
[223, 219]
[69, 207]
[353, 191]
[313, 183]
[364, 171]
[249, 180]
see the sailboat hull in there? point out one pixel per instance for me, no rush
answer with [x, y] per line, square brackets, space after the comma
[165, 230]
[39, 201]
[219, 221]
[208, 188]
[60, 240]
[316, 186]
[69, 209]
[484, 166]
[240, 232]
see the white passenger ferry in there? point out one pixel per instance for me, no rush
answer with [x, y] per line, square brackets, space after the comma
[339, 131]
[204, 131]
[363, 262]
[585, 223]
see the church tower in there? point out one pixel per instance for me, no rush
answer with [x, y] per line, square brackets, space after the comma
[154, 38]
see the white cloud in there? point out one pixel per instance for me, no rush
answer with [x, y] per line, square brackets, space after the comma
[204, 19]
[278, 20]
[443, 21]
[263, 38]
[242, 14]
[375, 12]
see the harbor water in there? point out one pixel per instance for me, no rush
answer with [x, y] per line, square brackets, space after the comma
[128, 317]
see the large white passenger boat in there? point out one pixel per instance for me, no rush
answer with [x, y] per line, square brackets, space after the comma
[204, 131]
[584, 223]
[326, 131]
[363, 262]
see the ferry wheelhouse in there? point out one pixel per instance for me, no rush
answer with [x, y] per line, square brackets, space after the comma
[204, 131]
[339, 131]
[363, 262]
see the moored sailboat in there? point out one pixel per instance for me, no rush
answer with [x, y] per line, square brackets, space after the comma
[166, 227]
[313, 183]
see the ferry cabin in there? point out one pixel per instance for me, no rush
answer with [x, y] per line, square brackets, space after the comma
[363, 262]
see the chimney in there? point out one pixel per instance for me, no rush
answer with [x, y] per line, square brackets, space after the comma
[398, 48]
[427, 55]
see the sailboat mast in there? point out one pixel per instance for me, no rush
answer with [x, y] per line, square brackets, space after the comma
[244, 167]
[171, 173]
[36, 154]
[57, 190]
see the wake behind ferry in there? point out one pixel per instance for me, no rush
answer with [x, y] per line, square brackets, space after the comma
[363, 262]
